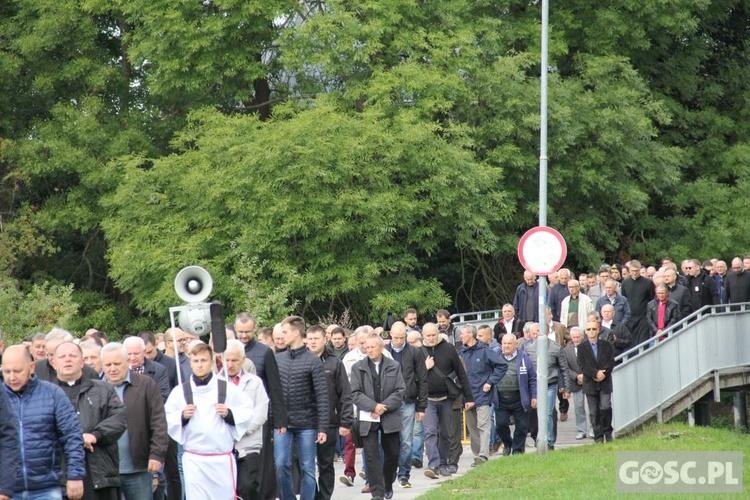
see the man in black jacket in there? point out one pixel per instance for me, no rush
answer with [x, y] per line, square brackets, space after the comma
[677, 292]
[303, 383]
[44, 370]
[340, 409]
[442, 357]
[662, 312]
[597, 359]
[415, 396]
[264, 359]
[102, 418]
[737, 284]
[701, 287]
[139, 364]
[639, 291]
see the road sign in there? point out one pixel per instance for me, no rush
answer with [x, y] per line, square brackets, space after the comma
[542, 250]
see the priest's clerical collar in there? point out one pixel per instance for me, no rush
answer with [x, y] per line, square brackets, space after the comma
[202, 381]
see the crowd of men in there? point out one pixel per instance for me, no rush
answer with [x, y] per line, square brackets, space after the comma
[164, 416]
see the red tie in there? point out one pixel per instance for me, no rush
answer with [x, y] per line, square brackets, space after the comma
[236, 380]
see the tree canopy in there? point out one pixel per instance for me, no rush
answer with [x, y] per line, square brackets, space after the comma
[366, 156]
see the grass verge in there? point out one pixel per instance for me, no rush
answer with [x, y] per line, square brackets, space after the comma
[588, 471]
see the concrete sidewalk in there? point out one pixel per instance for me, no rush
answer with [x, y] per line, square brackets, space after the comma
[420, 484]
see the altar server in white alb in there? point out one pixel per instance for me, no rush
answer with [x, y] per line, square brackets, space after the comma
[206, 416]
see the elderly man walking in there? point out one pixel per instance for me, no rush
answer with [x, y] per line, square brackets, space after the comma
[378, 391]
[484, 369]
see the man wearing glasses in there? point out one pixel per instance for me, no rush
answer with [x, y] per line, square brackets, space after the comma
[597, 359]
[177, 340]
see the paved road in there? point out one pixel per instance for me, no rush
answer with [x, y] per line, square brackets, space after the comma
[420, 484]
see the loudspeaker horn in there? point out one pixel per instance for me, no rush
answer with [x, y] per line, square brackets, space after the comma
[193, 284]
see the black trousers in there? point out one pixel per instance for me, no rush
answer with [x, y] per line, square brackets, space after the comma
[326, 470]
[510, 405]
[457, 434]
[534, 422]
[248, 477]
[564, 403]
[600, 407]
[381, 475]
[268, 483]
[172, 472]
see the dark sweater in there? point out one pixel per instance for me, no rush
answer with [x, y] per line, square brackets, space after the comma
[447, 361]
[737, 287]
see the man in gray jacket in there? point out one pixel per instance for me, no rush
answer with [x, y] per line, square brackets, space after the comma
[576, 381]
[377, 391]
[247, 449]
[557, 376]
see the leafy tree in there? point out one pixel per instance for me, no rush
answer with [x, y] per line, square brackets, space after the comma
[338, 205]
[38, 309]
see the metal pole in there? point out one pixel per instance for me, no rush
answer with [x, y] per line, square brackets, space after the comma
[542, 348]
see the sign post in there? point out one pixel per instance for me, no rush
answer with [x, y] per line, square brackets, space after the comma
[542, 251]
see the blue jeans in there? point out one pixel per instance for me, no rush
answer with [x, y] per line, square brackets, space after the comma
[282, 452]
[417, 446]
[46, 494]
[408, 418]
[136, 485]
[551, 427]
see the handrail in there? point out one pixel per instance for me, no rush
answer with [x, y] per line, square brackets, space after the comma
[659, 372]
[480, 316]
[673, 330]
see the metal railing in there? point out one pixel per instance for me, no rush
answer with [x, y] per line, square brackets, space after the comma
[713, 338]
[477, 318]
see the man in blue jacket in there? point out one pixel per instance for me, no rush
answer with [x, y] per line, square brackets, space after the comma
[515, 395]
[484, 368]
[46, 421]
[9, 451]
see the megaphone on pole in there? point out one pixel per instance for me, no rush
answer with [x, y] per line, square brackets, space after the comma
[193, 284]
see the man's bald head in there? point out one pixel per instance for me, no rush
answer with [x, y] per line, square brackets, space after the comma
[18, 366]
[398, 334]
[17, 352]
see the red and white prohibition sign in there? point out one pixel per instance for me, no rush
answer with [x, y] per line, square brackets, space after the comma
[542, 250]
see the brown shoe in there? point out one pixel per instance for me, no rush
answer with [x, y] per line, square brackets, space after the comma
[563, 417]
[366, 489]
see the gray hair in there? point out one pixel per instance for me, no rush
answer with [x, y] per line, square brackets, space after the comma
[575, 329]
[471, 328]
[376, 336]
[134, 340]
[595, 315]
[235, 345]
[58, 334]
[362, 331]
[114, 346]
[527, 326]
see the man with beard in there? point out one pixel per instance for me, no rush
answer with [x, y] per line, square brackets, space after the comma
[737, 284]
